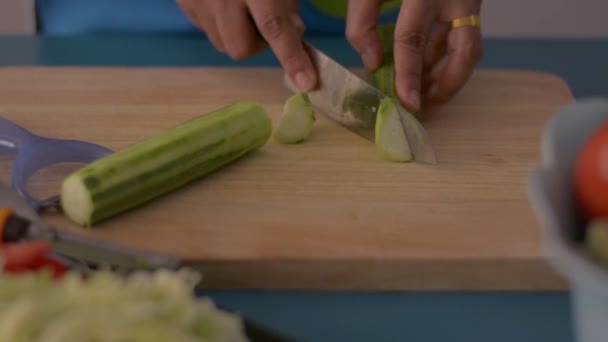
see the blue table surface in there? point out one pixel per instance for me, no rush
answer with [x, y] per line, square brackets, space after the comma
[360, 316]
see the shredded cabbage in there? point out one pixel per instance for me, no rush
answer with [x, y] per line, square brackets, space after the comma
[107, 307]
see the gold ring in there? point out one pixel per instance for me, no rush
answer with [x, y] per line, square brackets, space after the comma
[472, 20]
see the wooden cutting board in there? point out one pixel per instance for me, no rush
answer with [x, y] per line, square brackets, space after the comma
[328, 214]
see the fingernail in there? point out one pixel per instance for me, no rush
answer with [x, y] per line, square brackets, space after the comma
[370, 60]
[303, 81]
[414, 99]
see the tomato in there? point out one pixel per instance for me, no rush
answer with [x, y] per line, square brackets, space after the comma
[30, 256]
[21, 256]
[591, 175]
[57, 267]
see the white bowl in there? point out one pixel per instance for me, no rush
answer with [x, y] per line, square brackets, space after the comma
[550, 189]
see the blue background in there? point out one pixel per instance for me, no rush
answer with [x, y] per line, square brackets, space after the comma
[149, 16]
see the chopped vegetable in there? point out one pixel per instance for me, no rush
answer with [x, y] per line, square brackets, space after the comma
[596, 240]
[364, 105]
[30, 256]
[384, 78]
[390, 136]
[164, 162]
[142, 307]
[297, 120]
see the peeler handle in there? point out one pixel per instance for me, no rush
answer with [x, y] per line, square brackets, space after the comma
[12, 136]
[42, 152]
[33, 152]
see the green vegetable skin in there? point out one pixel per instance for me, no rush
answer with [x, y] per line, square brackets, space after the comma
[297, 120]
[164, 162]
[391, 140]
[384, 76]
[140, 307]
[596, 241]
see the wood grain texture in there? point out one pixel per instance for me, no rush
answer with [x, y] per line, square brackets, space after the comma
[328, 214]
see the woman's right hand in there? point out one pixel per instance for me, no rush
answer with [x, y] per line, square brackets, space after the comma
[243, 28]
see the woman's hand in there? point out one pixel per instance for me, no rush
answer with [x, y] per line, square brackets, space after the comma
[242, 28]
[432, 64]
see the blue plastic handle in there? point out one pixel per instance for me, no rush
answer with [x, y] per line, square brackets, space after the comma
[33, 152]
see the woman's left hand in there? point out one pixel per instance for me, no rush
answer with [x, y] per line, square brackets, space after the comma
[432, 64]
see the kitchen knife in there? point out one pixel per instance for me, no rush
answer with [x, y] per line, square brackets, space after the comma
[353, 102]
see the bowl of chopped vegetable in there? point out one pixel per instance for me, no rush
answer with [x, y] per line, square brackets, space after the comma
[569, 194]
[38, 305]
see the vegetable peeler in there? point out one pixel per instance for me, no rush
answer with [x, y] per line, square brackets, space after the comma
[21, 209]
[33, 153]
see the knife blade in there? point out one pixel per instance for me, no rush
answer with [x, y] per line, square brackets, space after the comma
[84, 252]
[353, 102]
